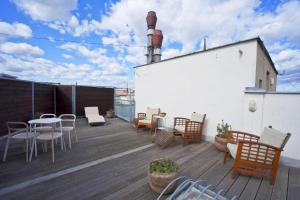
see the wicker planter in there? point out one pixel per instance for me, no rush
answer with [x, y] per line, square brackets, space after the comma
[158, 181]
[110, 114]
[220, 143]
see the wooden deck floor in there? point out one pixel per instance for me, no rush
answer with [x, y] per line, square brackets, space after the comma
[111, 162]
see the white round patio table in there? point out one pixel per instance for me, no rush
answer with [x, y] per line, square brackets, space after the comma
[42, 121]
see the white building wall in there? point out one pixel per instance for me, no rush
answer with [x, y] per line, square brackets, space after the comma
[282, 112]
[210, 82]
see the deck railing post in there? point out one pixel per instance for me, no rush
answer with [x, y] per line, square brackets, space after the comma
[74, 99]
[32, 99]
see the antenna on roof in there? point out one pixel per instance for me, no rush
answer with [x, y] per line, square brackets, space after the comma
[204, 43]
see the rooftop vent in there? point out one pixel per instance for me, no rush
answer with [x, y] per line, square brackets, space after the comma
[155, 38]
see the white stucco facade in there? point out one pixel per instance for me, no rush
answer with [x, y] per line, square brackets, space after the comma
[212, 82]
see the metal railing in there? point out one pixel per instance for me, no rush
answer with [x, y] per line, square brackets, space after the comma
[125, 109]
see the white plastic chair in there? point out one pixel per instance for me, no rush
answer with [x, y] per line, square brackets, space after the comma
[44, 128]
[68, 125]
[18, 131]
[51, 135]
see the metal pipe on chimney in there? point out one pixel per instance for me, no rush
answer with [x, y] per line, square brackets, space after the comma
[151, 23]
[157, 42]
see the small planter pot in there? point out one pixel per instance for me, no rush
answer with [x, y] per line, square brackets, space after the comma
[220, 143]
[110, 114]
[158, 181]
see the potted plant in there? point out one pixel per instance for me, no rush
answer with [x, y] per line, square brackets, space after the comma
[160, 173]
[221, 138]
[110, 113]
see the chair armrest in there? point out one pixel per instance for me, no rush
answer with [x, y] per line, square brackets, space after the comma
[153, 119]
[258, 152]
[141, 115]
[235, 136]
[181, 121]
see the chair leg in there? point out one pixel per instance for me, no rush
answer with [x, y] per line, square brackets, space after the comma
[226, 155]
[52, 144]
[6, 149]
[76, 135]
[69, 139]
[33, 146]
[26, 150]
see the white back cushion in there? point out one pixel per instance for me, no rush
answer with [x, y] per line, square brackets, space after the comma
[272, 137]
[197, 117]
[91, 111]
[151, 111]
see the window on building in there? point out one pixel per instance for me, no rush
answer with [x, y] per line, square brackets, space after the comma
[268, 80]
[260, 83]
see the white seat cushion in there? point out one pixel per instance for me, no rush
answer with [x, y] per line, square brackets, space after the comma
[232, 149]
[180, 128]
[23, 135]
[145, 121]
[48, 136]
[197, 117]
[65, 128]
[96, 119]
[151, 111]
[272, 137]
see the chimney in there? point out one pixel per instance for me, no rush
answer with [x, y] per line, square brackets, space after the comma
[151, 23]
[156, 42]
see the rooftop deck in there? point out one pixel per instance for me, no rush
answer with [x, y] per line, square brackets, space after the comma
[110, 162]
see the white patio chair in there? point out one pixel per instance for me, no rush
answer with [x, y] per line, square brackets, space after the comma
[68, 125]
[52, 135]
[43, 128]
[18, 131]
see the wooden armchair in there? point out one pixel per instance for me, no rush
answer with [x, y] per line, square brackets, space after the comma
[254, 155]
[147, 119]
[189, 129]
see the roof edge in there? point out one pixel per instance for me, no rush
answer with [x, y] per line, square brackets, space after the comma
[260, 42]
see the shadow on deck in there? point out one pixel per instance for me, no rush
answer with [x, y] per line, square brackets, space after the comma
[110, 162]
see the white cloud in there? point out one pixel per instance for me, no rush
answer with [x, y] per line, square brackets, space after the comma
[47, 10]
[67, 56]
[15, 30]
[20, 48]
[286, 59]
[40, 69]
[169, 53]
[109, 65]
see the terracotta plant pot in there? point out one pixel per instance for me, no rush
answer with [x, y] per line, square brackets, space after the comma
[158, 181]
[220, 143]
[110, 114]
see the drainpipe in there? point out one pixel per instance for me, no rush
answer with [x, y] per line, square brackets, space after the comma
[151, 23]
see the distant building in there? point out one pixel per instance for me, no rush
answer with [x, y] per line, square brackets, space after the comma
[124, 92]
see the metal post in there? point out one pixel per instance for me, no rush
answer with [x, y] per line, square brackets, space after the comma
[74, 99]
[54, 99]
[32, 99]
[149, 45]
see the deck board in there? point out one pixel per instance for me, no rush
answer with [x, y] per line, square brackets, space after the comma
[125, 177]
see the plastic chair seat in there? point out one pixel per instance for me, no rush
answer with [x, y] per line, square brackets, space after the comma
[23, 135]
[48, 136]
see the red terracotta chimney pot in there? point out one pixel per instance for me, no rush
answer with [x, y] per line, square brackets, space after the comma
[151, 19]
[157, 38]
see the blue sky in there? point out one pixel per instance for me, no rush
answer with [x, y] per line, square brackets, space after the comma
[98, 42]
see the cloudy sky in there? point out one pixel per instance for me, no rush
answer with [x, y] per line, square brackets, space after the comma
[95, 42]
